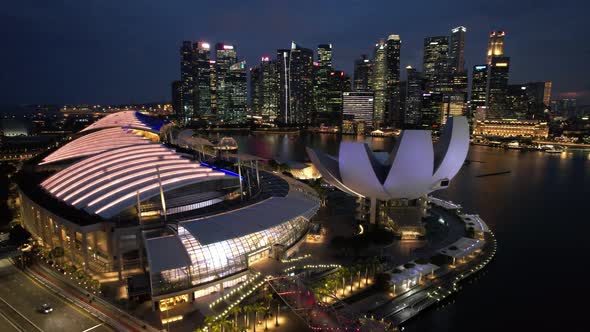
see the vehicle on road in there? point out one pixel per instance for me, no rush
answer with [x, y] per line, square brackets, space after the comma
[45, 309]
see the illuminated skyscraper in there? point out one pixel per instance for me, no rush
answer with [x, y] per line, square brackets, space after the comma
[385, 82]
[186, 82]
[363, 68]
[236, 90]
[435, 66]
[414, 88]
[225, 57]
[379, 83]
[457, 49]
[432, 111]
[495, 45]
[321, 71]
[358, 107]
[393, 50]
[498, 88]
[264, 83]
[479, 86]
[295, 68]
[325, 55]
[338, 82]
[202, 79]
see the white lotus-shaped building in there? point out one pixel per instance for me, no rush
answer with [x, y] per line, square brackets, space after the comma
[414, 168]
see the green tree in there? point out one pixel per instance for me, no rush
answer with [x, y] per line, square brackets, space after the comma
[210, 322]
[258, 308]
[235, 311]
[248, 309]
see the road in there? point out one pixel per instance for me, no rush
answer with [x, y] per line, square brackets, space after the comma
[21, 296]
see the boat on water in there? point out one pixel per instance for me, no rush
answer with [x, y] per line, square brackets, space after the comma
[555, 149]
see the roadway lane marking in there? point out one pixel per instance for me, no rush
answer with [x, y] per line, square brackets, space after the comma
[23, 316]
[92, 328]
[11, 323]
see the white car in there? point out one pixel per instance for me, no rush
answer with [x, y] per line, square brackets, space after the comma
[46, 309]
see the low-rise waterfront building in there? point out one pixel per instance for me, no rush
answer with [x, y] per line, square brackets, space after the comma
[512, 128]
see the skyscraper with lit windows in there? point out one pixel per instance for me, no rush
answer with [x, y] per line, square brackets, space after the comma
[186, 109]
[497, 107]
[457, 49]
[225, 56]
[436, 64]
[385, 82]
[295, 66]
[479, 86]
[264, 83]
[363, 68]
[201, 58]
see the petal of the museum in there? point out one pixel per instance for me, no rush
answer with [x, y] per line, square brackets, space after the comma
[328, 168]
[357, 172]
[451, 149]
[410, 175]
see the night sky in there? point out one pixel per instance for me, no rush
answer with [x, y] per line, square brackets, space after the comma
[127, 51]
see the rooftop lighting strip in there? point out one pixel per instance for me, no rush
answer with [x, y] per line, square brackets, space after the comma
[155, 185]
[151, 170]
[100, 135]
[105, 176]
[79, 166]
[136, 183]
[67, 178]
[107, 158]
[93, 147]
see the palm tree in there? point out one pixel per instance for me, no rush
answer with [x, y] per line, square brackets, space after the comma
[268, 298]
[266, 317]
[223, 323]
[247, 310]
[235, 311]
[258, 308]
[210, 322]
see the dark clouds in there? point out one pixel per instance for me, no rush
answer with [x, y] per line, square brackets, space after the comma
[127, 51]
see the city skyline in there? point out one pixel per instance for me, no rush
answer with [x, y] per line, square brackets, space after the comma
[147, 60]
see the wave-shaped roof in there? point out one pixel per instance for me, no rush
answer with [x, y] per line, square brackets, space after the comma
[94, 143]
[109, 182]
[128, 119]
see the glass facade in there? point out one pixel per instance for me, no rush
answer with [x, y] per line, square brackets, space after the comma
[221, 259]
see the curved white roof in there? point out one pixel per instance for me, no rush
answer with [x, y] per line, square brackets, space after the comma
[126, 119]
[95, 142]
[108, 183]
[414, 168]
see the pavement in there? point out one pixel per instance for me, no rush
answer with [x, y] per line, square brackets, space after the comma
[20, 298]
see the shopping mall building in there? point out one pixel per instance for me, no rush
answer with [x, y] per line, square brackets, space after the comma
[121, 203]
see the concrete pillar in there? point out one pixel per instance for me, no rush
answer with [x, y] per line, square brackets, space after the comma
[85, 251]
[60, 235]
[257, 174]
[373, 211]
[140, 248]
[72, 244]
